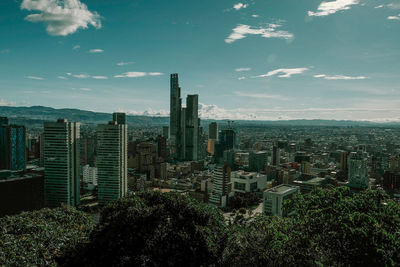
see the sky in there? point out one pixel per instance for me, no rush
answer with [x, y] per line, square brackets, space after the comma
[254, 59]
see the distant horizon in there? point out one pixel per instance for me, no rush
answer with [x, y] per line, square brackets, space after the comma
[206, 118]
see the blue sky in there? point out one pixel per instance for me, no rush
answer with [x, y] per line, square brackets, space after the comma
[286, 59]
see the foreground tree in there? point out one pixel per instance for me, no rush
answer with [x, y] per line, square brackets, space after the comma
[36, 238]
[153, 229]
[332, 228]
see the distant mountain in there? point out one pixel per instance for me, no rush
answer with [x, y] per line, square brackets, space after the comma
[36, 115]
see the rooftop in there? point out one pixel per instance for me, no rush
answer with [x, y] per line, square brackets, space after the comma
[281, 189]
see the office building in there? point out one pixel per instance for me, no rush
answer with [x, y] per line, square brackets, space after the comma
[275, 197]
[192, 127]
[357, 170]
[248, 182]
[276, 156]
[221, 185]
[12, 146]
[61, 162]
[119, 117]
[165, 132]
[111, 161]
[213, 131]
[343, 160]
[89, 177]
[175, 116]
[182, 136]
[258, 161]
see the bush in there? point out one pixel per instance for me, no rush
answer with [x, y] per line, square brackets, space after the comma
[153, 229]
[36, 238]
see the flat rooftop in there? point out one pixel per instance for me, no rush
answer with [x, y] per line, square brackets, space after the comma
[281, 189]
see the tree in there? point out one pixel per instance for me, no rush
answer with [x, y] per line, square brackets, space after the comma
[36, 238]
[153, 229]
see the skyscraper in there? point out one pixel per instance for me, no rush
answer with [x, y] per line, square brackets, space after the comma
[357, 170]
[111, 162]
[12, 146]
[221, 185]
[192, 127]
[165, 132]
[61, 162]
[175, 116]
[213, 131]
[119, 117]
[182, 136]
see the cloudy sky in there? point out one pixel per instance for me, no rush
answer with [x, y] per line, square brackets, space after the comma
[254, 59]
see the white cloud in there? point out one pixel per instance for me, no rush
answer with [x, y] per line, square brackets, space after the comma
[7, 104]
[76, 47]
[241, 78]
[62, 77]
[340, 77]
[328, 8]
[239, 6]
[80, 76]
[255, 16]
[100, 77]
[61, 17]
[147, 112]
[96, 50]
[391, 6]
[34, 77]
[5, 51]
[85, 89]
[394, 17]
[258, 95]
[284, 73]
[124, 63]
[243, 69]
[241, 31]
[136, 74]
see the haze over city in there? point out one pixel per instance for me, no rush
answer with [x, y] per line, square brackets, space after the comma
[262, 60]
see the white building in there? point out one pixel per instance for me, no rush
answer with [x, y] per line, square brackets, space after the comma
[275, 197]
[357, 170]
[246, 182]
[89, 176]
[221, 185]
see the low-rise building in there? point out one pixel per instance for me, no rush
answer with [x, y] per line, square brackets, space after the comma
[275, 197]
[246, 182]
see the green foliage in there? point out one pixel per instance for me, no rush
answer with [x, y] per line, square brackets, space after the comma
[37, 238]
[153, 229]
[243, 200]
[331, 227]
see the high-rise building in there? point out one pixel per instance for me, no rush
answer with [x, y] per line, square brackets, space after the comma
[175, 116]
[357, 170]
[88, 150]
[89, 176]
[119, 117]
[258, 161]
[343, 160]
[221, 185]
[12, 146]
[213, 131]
[182, 136]
[276, 156]
[111, 161]
[162, 151]
[165, 132]
[192, 127]
[3, 120]
[61, 162]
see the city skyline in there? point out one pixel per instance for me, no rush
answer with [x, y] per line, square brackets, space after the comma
[246, 59]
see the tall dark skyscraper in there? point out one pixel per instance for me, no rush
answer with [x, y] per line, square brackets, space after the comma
[119, 117]
[12, 146]
[192, 127]
[175, 116]
[213, 131]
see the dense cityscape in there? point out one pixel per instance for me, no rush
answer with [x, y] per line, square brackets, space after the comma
[216, 163]
[199, 133]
